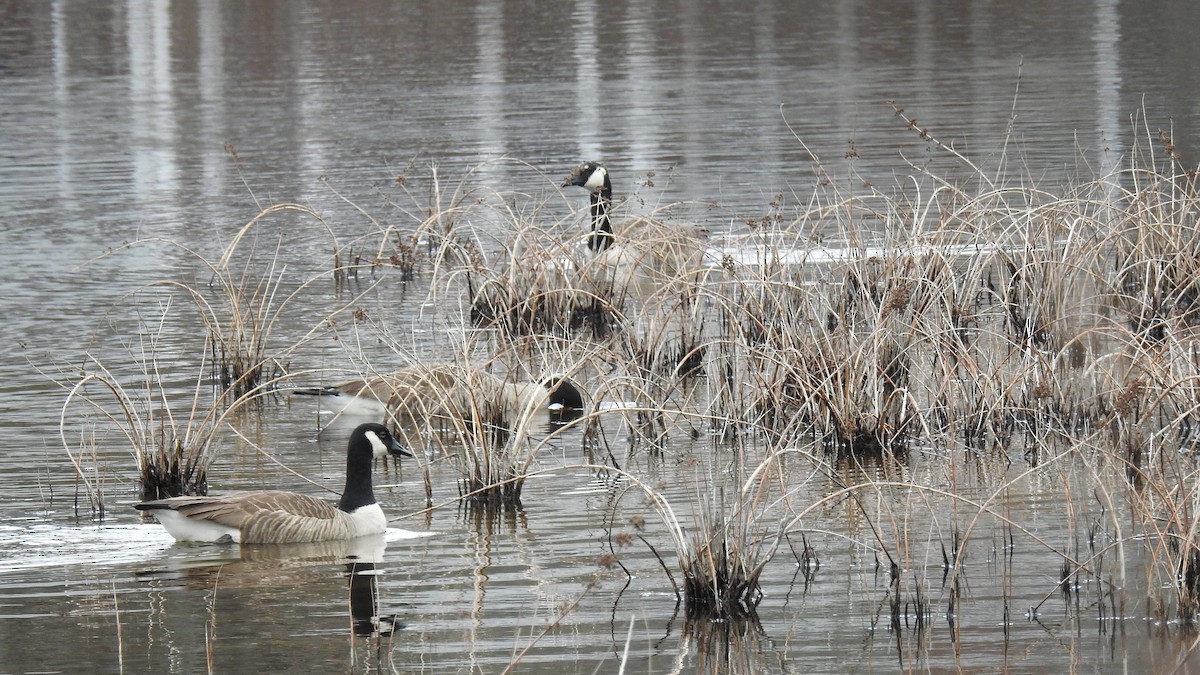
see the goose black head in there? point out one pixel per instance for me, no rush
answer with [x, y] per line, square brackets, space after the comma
[594, 177]
[591, 175]
[565, 401]
[370, 440]
[563, 393]
[381, 440]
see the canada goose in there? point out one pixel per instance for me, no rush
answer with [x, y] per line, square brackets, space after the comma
[644, 252]
[277, 517]
[419, 395]
[594, 177]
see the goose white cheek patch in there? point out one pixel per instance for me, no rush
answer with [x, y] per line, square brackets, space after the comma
[379, 446]
[596, 181]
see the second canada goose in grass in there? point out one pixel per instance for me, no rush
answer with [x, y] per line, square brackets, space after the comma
[277, 517]
[640, 251]
[447, 393]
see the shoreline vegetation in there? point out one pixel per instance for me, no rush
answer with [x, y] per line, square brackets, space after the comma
[958, 319]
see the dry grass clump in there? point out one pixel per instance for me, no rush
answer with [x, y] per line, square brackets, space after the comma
[497, 456]
[722, 567]
[488, 409]
[824, 349]
[991, 299]
[719, 554]
[514, 275]
[538, 292]
[1014, 318]
[1155, 254]
[648, 257]
[497, 452]
[541, 279]
[172, 433]
[250, 303]
[240, 301]
[541, 285]
[1150, 436]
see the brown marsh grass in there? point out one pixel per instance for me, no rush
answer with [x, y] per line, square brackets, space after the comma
[969, 324]
[971, 314]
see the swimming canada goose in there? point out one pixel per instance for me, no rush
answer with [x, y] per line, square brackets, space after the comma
[644, 252]
[277, 517]
[447, 393]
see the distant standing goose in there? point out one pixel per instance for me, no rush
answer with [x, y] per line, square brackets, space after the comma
[644, 251]
[276, 517]
[423, 394]
[594, 177]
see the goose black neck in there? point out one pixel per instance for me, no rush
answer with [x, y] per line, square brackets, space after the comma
[602, 232]
[358, 491]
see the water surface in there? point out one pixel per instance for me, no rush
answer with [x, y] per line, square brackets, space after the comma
[176, 123]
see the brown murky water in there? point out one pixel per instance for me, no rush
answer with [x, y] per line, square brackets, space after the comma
[176, 123]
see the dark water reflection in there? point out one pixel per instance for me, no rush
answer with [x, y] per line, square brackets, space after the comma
[182, 120]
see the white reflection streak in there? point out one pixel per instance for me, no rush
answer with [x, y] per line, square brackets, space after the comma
[152, 113]
[314, 77]
[1108, 84]
[644, 131]
[767, 55]
[211, 80]
[62, 101]
[1108, 96]
[489, 74]
[587, 82]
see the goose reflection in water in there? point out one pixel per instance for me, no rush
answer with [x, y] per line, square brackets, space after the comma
[364, 602]
[278, 566]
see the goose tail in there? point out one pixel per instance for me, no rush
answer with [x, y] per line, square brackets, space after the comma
[315, 391]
